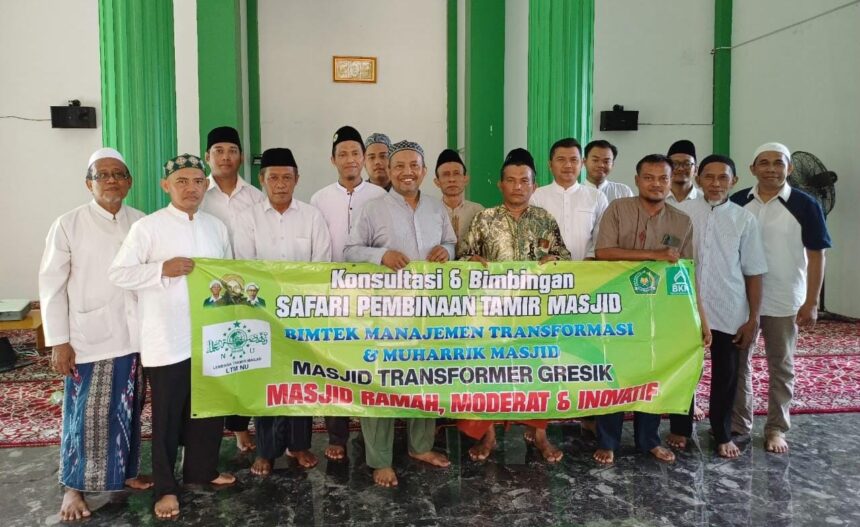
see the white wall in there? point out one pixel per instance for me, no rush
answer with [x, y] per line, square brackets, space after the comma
[49, 53]
[187, 87]
[799, 87]
[516, 74]
[654, 57]
[301, 107]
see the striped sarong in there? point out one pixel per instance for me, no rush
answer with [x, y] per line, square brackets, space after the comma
[102, 404]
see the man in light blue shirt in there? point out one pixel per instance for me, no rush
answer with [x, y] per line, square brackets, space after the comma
[402, 226]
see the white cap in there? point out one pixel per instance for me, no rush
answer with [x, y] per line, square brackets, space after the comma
[105, 153]
[215, 282]
[773, 147]
[252, 285]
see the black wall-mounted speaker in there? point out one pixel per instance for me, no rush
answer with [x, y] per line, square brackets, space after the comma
[619, 119]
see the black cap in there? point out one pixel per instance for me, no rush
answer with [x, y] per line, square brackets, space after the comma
[278, 157]
[519, 157]
[346, 133]
[449, 156]
[682, 147]
[717, 158]
[223, 134]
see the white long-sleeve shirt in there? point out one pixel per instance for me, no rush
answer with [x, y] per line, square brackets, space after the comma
[228, 207]
[577, 210]
[80, 306]
[341, 208]
[299, 234]
[162, 302]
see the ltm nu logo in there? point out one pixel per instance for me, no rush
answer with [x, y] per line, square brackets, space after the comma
[677, 281]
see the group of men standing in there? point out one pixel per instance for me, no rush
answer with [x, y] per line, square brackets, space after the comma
[116, 307]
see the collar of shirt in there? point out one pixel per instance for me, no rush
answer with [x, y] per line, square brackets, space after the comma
[293, 206]
[458, 207]
[401, 201]
[561, 190]
[783, 193]
[356, 189]
[178, 213]
[646, 212]
[598, 187]
[104, 213]
[240, 184]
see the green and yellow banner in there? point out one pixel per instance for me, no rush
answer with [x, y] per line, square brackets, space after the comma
[512, 340]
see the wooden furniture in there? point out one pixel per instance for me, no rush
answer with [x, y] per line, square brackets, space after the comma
[33, 322]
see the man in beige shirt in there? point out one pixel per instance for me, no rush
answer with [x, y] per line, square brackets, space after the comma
[452, 178]
[638, 229]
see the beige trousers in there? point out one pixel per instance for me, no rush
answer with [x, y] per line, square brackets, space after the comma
[780, 340]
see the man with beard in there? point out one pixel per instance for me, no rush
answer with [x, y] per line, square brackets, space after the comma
[402, 226]
[639, 229]
[376, 160]
[94, 347]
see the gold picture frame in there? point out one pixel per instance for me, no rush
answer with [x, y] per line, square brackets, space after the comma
[353, 69]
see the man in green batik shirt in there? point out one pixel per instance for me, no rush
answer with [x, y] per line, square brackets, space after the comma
[513, 231]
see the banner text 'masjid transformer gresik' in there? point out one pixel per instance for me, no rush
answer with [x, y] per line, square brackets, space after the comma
[559, 340]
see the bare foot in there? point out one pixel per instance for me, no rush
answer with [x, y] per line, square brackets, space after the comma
[167, 506]
[139, 483]
[728, 450]
[261, 467]
[550, 453]
[776, 444]
[676, 441]
[224, 478]
[436, 459]
[698, 414]
[663, 454]
[529, 435]
[589, 425]
[244, 442]
[385, 477]
[305, 458]
[335, 452]
[604, 456]
[482, 450]
[74, 507]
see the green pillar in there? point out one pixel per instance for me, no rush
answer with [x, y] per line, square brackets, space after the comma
[219, 67]
[485, 97]
[139, 91]
[561, 62]
[722, 76]
[452, 74]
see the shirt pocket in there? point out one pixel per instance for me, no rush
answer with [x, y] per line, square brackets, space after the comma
[94, 326]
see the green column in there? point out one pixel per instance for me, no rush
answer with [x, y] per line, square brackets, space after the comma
[139, 91]
[452, 74]
[219, 67]
[485, 97]
[561, 61]
[722, 76]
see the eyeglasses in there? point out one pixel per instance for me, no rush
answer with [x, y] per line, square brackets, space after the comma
[683, 164]
[104, 176]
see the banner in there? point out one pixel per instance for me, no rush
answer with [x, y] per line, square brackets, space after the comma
[513, 340]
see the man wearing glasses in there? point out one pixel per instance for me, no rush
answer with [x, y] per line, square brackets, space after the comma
[84, 318]
[683, 156]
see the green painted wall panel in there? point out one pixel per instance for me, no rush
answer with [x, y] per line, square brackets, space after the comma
[219, 66]
[485, 97]
[722, 76]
